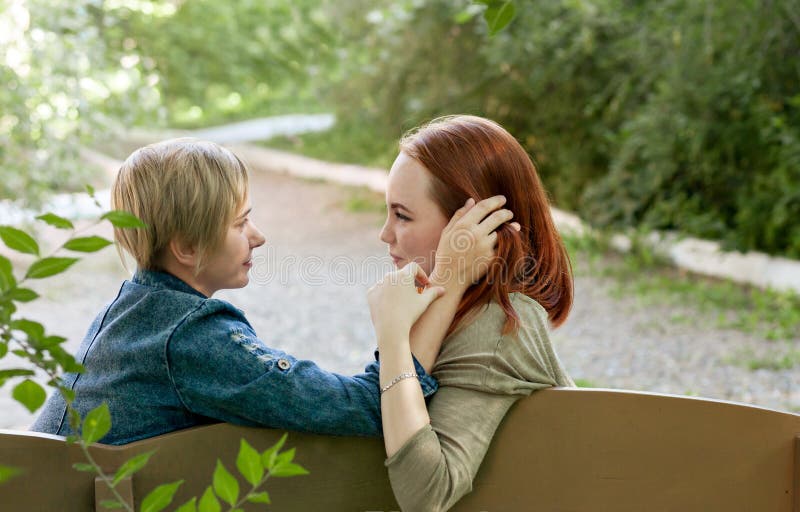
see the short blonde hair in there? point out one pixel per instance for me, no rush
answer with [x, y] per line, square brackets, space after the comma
[183, 188]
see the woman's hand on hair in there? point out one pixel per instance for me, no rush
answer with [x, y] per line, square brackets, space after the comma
[398, 300]
[467, 245]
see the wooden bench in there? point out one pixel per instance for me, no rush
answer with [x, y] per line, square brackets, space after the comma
[558, 450]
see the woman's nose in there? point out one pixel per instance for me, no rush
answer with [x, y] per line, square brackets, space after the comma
[386, 235]
[257, 238]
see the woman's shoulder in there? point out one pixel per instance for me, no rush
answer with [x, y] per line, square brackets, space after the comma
[480, 356]
[486, 324]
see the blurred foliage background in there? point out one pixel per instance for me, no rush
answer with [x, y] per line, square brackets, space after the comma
[672, 114]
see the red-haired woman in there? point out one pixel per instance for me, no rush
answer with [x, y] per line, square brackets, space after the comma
[497, 349]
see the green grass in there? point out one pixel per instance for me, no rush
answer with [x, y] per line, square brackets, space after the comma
[362, 200]
[773, 315]
[773, 360]
[345, 143]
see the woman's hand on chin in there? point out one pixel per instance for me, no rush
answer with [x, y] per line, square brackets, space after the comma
[467, 245]
[398, 300]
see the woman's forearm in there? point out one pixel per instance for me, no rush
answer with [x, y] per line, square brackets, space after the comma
[402, 406]
[429, 331]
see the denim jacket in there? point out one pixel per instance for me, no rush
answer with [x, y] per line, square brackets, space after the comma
[165, 357]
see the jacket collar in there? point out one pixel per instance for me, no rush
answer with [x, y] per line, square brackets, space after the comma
[163, 280]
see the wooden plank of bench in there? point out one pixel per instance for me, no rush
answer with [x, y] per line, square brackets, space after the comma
[797, 473]
[609, 450]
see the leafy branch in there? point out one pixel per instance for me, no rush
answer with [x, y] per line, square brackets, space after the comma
[28, 340]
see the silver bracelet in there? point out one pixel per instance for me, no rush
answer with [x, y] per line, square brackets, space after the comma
[406, 375]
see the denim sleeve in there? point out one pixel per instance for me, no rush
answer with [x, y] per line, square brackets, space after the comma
[222, 370]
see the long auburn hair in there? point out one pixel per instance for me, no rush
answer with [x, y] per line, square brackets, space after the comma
[474, 157]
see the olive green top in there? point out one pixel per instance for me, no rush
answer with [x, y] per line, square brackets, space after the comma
[481, 374]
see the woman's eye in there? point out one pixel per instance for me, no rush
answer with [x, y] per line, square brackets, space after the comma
[401, 216]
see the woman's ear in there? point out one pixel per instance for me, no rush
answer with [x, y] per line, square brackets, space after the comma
[183, 253]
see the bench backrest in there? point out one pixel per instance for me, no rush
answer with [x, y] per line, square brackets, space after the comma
[560, 449]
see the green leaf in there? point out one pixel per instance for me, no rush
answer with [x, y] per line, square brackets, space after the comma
[189, 506]
[87, 244]
[47, 267]
[7, 280]
[288, 469]
[8, 472]
[83, 466]
[259, 497]
[29, 394]
[123, 219]
[68, 394]
[112, 504]
[56, 221]
[96, 424]
[160, 497]
[18, 240]
[132, 465]
[498, 16]
[268, 457]
[34, 330]
[225, 485]
[89, 190]
[21, 294]
[3, 349]
[209, 502]
[249, 463]
[14, 372]
[285, 457]
[52, 341]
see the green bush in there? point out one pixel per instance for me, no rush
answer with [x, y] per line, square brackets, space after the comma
[672, 115]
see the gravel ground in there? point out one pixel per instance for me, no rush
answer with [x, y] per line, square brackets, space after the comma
[308, 296]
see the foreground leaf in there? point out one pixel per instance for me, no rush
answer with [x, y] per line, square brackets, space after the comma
[123, 219]
[160, 497]
[29, 394]
[19, 240]
[225, 485]
[498, 15]
[7, 280]
[8, 472]
[14, 372]
[189, 506]
[132, 465]
[288, 469]
[47, 267]
[56, 221]
[249, 463]
[83, 466]
[21, 294]
[34, 330]
[209, 502]
[259, 497]
[96, 424]
[87, 244]
[269, 455]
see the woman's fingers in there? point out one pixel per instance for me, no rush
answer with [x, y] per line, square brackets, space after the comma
[416, 273]
[483, 208]
[495, 220]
